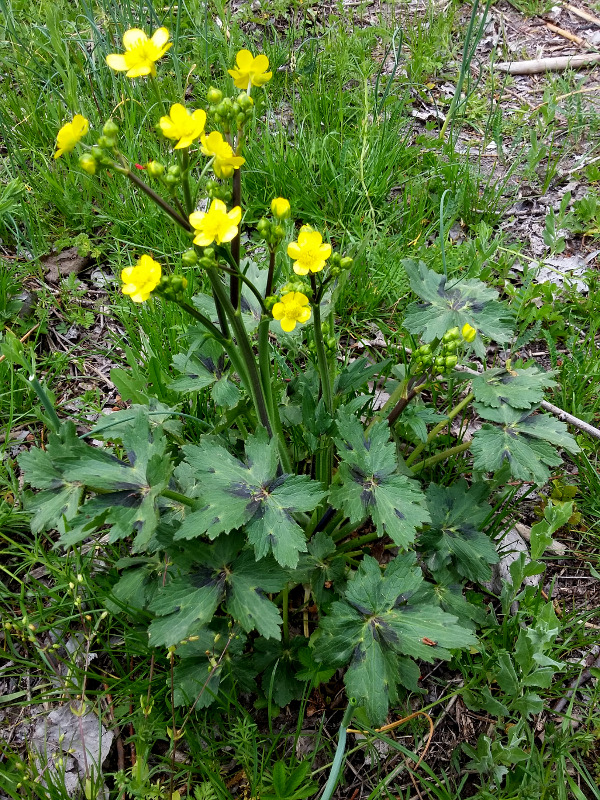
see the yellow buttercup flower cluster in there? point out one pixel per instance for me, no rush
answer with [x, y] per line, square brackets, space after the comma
[292, 308]
[250, 71]
[309, 252]
[70, 134]
[215, 225]
[182, 125]
[141, 279]
[141, 53]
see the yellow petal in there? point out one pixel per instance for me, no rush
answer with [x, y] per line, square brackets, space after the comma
[185, 141]
[218, 205]
[304, 315]
[143, 69]
[299, 269]
[229, 234]
[196, 218]
[133, 37]
[260, 80]
[160, 37]
[261, 63]
[244, 60]
[235, 215]
[301, 298]
[203, 239]
[293, 250]
[126, 273]
[325, 251]
[288, 324]
[117, 62]
[167, 128]
[179, 114]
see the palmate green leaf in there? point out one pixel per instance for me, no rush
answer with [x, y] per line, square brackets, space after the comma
[322, 563]
[455, 537]
[454, 304]
[523, 440]
[207, 575]
[519, 388]
[378, 629]
[235, 493]
[370, 485]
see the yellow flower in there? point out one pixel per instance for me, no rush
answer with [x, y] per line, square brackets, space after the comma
[140, 52]
[215, 225]
[224, 162]
[292, 309]
[250, 71]
[142, 279]
[280, 208]
[468, 333]
[182, 125]
[70, 134]
[309, 252]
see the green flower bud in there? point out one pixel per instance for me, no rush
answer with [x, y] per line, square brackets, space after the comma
[451, 347]
[244, 101]
[270, 301]
[209, 252]
[110, 128]
[425, 349]
[263, 226]
[174, 170]
[240, 120]
[451, 362]
[278, 232]
[332, 343]
[335, 260]
[155, 169]
[107, 141]
[88, 163]
[97, 152]
[171, 180]
[236, 109]
[189, 258]
[346, 262]
[214, 96]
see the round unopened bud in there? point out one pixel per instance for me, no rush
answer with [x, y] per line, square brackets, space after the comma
[244, 101]
[451, 362]
[346, 262]
[263, 226]
[155, 169]
[97, 152]
[110, 128]
[209, 252]
[236, 109]
[468, 333]
[174, 170]
[88, 163]
[189, 258]
[270, 301]
[280, 208]
[214, 96]
[107, 141]
[240, 120]
[172, 180]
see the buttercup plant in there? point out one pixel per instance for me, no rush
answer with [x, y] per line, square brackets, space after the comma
[264, 523]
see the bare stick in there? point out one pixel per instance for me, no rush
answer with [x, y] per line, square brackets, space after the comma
[539, 65]
[579, 12]
[570, 36]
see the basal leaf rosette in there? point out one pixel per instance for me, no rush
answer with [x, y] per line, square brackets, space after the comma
[378, 633]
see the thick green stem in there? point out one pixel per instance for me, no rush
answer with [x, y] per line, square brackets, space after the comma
[451, 451]
[403, 402]
[270, 274]
[45, 401]
[185, 180]
[267, 384]
[168, 209]
[245, 347]
[347, 530]
[353, 544]
[204, 320]
[234, 280]
[178, 498]
[439, 427]
[321, 356]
